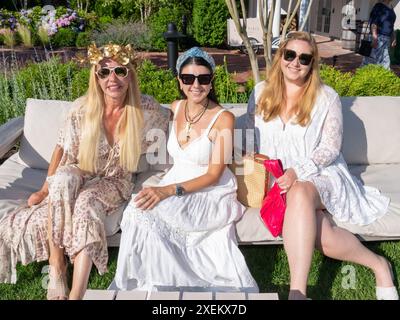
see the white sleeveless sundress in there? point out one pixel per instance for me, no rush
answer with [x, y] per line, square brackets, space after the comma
[188, 241]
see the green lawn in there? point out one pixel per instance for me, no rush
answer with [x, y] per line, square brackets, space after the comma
[268, 265]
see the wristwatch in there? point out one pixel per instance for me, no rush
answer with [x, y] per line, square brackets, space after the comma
[179, 191]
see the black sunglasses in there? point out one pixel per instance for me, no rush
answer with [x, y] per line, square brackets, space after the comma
[304, 58]
[105, 72]
[203, 79]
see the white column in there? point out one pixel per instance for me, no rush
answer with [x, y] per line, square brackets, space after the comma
[253, 12]
[303, 10]
[276, 25]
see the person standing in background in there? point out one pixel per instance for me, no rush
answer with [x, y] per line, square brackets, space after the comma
[381, 20]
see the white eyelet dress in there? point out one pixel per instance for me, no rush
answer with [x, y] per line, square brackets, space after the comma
[313, 151]
[187, 241]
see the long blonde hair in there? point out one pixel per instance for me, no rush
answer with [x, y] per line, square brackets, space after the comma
[273, 97]
[129, 127]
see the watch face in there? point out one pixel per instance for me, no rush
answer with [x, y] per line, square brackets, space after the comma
[179, 191]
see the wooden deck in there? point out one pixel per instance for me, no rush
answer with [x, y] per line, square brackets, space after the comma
[175, 295]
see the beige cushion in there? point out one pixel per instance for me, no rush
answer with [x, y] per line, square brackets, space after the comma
[18, 182]
[371, 130]
[385, 177]
[43, 119]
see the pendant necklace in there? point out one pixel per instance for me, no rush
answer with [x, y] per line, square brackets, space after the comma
[193, 120]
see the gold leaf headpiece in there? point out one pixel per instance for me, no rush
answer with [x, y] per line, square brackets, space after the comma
[121, 54]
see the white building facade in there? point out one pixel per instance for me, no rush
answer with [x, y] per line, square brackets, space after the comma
[330, 17]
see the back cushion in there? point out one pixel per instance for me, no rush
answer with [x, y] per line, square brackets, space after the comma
[43, 119]
[371, 130]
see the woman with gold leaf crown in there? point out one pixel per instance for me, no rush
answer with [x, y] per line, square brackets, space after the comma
[89, 177]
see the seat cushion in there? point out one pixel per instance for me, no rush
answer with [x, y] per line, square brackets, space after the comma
[384, 177]
[18, 182]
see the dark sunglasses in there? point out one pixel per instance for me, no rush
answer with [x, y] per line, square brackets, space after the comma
[304, 58]
[105, 72]
[190, 78]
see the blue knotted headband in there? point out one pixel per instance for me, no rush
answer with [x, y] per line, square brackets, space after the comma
[194, 52]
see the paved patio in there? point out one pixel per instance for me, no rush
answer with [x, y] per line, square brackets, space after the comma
[330, 50]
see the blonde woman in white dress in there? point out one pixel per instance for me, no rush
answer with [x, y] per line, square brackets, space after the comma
[181, 233]
[299, 120]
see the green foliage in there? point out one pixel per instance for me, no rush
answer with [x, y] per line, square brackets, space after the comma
[337, 80]
[370, 80]
[209, 22]
[226, 89]
[104, 20]
[159, 23]
[135, 33]
[161, 84]
[80, 83]
[374, 80]
[63, 38]
[46, 80]
[267, 263]
[83, 39]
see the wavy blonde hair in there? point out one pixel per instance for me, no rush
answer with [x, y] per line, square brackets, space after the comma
[273, 97]
[129, 127]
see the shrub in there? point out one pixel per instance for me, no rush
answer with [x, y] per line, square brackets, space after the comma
[374, 80]
[104, 20]
[159, 23]
[122, 32]
[47, 80]
[63, 38]
[226, 89]
[80, 83]
[107, 8]
[10, 108]
[9, 38]
[43, 35]
[209, 22]
[83, 39]
[161, 84]
[25, 35]
[336, 79]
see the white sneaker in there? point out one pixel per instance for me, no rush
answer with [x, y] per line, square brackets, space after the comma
[386, 293]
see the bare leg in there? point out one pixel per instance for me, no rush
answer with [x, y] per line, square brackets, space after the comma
[340, 244]
[299, 234]
[82, 267]
[57, 287]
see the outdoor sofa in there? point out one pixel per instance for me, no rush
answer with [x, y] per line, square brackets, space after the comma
[371, 147]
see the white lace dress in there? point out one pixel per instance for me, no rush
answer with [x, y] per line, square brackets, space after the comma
[188, 241]
[314, 153]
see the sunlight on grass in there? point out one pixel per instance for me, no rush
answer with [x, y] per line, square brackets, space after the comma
[267, 263]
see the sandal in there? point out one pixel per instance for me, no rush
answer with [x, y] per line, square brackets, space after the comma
[57, 288]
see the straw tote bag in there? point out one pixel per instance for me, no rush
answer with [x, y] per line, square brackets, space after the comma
[252, 180]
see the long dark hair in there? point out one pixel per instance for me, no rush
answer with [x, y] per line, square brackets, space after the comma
[198, 61]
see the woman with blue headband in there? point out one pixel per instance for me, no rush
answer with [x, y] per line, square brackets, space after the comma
[181, 232]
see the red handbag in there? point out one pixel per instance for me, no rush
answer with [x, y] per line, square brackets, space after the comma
[274, 204]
